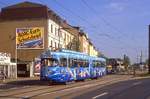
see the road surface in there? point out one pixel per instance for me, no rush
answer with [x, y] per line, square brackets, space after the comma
[108, 87]
[134, 89]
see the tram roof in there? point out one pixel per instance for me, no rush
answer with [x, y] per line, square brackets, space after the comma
[69, 54]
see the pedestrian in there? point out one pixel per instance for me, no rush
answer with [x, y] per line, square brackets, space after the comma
[3, 76]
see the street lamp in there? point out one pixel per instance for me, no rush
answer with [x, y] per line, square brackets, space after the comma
[149, 52]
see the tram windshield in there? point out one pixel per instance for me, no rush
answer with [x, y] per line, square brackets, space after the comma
[49, 62]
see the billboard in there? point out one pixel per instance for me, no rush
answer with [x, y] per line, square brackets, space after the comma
[37, 66]
[30, 38]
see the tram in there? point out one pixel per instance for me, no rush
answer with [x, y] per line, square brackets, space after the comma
[65, 66]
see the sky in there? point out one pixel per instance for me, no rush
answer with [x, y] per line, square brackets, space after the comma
[115, 27]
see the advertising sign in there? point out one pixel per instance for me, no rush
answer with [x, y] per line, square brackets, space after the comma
[37, 66]
[30, 38]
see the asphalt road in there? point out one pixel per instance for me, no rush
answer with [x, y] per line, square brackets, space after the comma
[108, 87]
[35, 89]
[134, 89]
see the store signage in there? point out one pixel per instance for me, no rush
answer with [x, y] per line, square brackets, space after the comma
[30, 38]
[4, 58]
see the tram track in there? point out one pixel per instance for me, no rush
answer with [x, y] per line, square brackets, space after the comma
[30, 92]
[78, 87]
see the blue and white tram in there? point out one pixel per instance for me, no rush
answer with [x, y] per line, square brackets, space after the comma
[65, 66]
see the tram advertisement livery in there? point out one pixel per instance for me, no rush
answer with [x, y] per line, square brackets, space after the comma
[64, 66]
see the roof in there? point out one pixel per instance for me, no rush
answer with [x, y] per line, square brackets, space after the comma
[24, 10]
[25, 4]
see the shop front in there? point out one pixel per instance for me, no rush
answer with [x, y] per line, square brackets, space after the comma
[7, 68]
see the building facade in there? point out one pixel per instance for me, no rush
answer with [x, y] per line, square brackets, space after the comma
[7, 68]
[26, 34]
[84, 43]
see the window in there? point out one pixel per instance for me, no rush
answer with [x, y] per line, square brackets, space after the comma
[49, 62]
[59, 33]
[58, 45]
[63, 62]
[85, 63]
[103, 64]
[56, 31]
[51, 28]
[70, 39]
[65, 36]
[55, 45]
[51, 43]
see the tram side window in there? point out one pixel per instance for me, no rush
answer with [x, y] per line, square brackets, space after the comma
[63, 62]
[79, 63]
[49, 62]
[94, 64]
[98, 63]
[70, 61]
[85, 64]
[103, 64]
[74, 63]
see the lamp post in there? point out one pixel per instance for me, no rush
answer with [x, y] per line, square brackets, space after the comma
[149, 52]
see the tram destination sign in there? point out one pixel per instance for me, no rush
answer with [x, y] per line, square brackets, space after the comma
[30, 38]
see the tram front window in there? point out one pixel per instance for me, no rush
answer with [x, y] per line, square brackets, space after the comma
[50, 62]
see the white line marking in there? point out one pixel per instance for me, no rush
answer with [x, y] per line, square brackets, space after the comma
[137, 83]
[100, 95]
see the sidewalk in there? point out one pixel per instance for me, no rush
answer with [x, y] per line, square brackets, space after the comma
[18, 79]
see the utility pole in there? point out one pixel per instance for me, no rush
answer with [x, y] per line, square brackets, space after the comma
[141, 57]
[137, 59]
[149, 51]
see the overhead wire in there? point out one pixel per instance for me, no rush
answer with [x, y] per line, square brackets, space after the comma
[104, 20]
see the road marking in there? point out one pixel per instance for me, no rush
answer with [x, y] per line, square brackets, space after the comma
[137, 83]
[69, 89]
[100, 95]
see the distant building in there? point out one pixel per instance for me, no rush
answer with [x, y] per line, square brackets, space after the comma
[116, 64]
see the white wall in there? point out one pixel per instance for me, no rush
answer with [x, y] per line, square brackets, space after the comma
[54, 37]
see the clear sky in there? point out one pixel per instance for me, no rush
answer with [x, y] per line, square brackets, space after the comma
[116, 27]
